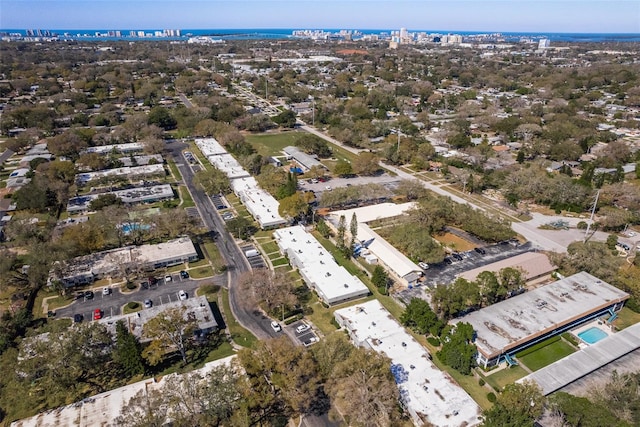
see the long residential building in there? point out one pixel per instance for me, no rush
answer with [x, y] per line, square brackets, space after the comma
[129, 196]
[516, 323]
[333, 283]
[260, 204]
[116, 262]
[430, 395]
[126, 171]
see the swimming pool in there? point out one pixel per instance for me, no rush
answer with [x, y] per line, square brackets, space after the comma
[592, 335]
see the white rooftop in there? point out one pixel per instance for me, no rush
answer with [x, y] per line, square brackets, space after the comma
[102, 409]
[210, 147]
[391, 257]
[155, 169]
[429, 394]
[262, 206]
[228, 164]
[507, 324]
[121, 148]
[332, 282]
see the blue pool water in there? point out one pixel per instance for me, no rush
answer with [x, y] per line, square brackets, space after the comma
[592, 335]
[129, 227]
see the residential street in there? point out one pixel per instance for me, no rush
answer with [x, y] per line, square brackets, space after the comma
[248, 316]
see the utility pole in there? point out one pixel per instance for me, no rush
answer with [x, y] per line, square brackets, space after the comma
[593, 210]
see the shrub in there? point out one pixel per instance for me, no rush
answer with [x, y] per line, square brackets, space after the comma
[481, 382]
[210, 289]
[295, 318]
[570, 338]
[491, 397]
[131, 286]
[632, 303]
[433, 341]
[132, 305]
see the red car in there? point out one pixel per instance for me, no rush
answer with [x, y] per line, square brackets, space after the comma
[97, 314]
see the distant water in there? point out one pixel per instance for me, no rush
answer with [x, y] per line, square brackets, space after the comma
[283, 33]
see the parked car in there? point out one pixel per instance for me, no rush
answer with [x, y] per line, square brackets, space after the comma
[276, 326]
[106, 291]
[88, 295]
[97, 314]
[182, 295]
[77, 318]
[302, 328]
[148, 303]
[310, 341]
[168, 278]
[481, 251]
[457, 256]
[184, 274]
[447, 260]
[423, 265]
[328, 187]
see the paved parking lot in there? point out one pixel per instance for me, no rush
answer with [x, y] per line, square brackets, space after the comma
[111, 305]
[443, 273]
[383, 179]
[255, 261]
[305, 338]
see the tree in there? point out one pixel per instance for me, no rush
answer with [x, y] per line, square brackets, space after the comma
[271, 289]
[289, 188]
[380, 278]
[419, 317]
[212, 181]
[127, 352]
[330, 352]
[282, 380]
[342, 228]
[295, 206]
[366, 164]
[148, 408]
[353, 229]
[363, 389]
[67, 364]
[104, 200]
[342, 168]
[241, 227]
[285, 119]
[161, 117]
[458, 351]
[581, 412]
[519, 405]
[169, 330]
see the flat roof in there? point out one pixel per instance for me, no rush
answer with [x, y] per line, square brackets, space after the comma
[428, 393]
[303, 159]
[210, 146]
[262, 206]
[102, 409]
[155, 169]
[229, 165]
[515, 321]
[532, 264]
[391, 257]
[141, 159]
[575, 366]
[121, 148]
[198, 307]
[131, 195]
[318, 267]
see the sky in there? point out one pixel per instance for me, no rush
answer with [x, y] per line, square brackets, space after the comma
[566, 16]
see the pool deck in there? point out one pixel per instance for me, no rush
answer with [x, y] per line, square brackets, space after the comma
[589, 359]
[602, 325]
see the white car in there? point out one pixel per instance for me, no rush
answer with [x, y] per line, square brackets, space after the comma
[167, 278]
[148, 303]
[276, 326]
[310, 341]
[303, 327]
[423, 265]
[106, 291]
[182, 295]
[328, 187]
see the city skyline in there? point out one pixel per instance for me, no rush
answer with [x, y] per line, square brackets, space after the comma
[561, 16]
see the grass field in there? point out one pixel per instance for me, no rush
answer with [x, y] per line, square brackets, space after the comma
[187, 201]
[545, 353]
[239, 335]
[271, 144]
[454, 242]
[501, 378]
[626, 318]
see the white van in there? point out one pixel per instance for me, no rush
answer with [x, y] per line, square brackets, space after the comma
[251, 253]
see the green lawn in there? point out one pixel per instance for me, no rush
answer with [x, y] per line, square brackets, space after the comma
[279, 261]
[626, 318]
[201, 272]
[505, 376]
[187, 201]
[271, 144]
[239, 335]
[553, 349]
[270, 247]
[174, 170]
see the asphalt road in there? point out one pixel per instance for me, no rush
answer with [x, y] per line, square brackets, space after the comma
[247, 315]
